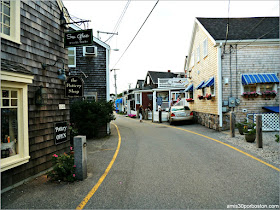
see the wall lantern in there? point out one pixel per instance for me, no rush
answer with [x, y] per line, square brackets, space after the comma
[60, 72]
[39, 97]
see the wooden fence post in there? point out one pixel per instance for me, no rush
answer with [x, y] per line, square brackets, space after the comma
[232, 124]
[259, 131]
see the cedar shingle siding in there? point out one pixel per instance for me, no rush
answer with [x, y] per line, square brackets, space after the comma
[42, 42]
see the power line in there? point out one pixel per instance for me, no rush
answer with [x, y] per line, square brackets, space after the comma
[259, 37]
[137, 33]
[119, 20]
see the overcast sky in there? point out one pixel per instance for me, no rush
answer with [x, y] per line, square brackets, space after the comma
[163, 42]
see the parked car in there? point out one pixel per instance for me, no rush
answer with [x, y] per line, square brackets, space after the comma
[180, 113]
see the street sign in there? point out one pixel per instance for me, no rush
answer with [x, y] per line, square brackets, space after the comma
[74, 87]
[60, 132]
[159, 101]
[78, 38]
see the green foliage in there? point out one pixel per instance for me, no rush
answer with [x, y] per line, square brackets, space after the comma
[277, 137]
[63, 168]
[241, 124]
[89, 116]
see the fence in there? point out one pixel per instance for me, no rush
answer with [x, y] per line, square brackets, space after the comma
[270, 121]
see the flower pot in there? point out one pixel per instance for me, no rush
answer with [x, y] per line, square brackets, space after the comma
[250, 137]
[240, 129]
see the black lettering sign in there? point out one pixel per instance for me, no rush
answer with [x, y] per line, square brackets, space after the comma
[74, 87]
[78, 38]
[60, 132]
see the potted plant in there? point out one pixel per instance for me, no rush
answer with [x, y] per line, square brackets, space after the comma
[189, 99]
[250, 132]
[250, 136]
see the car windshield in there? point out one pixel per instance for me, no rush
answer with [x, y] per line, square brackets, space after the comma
[178, 109]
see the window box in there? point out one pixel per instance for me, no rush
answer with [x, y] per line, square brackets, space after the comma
[200, 97]
[189, 100]
[268, 94]
[209, 96]
[248, 95]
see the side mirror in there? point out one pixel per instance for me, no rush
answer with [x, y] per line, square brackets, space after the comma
[186, 108]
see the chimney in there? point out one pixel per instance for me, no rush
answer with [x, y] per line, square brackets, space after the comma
[169, 71]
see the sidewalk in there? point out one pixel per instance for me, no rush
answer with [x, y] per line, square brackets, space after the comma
[270, 150]
[42, 194]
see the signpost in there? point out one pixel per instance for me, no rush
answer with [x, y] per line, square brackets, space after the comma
[78, 38]
[74, 87]
[60, 132]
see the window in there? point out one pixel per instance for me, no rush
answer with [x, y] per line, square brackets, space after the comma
[191, 94]
[14, 119]
[9, 122]
[205, 48]
[10, 20]
[192, 59]
[203, 91]
[212, 90]
[250, 88]
[137, 98]
[198, 54]
[72, 57]
[266, 87]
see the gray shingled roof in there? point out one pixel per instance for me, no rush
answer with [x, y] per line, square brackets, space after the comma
[160, 74]
[242, 28]
[14, 67]
[140, 82]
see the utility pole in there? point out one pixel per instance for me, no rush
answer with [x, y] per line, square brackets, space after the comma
[115, 77]
[129, 85]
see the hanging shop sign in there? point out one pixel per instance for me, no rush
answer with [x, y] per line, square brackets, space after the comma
[74, 87]
[60, 132]
[78, 38]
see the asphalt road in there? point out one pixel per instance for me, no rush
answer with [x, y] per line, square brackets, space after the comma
[157, 167]
[162, 167]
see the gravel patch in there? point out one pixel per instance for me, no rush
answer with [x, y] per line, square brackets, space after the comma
[270, 150]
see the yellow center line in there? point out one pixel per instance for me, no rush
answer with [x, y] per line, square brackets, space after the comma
[94, 189]
[245, 153]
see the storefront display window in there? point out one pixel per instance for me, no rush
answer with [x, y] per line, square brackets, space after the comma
[9, 123]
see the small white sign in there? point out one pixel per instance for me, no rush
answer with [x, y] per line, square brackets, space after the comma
[61, 106]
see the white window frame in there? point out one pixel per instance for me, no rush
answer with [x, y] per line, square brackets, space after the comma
[205, 47]
[214, 90]
[192, 59]
[20, 82]
[258, 88]
[198, 54]
[137, 96]
[74, 57]
[14, 23]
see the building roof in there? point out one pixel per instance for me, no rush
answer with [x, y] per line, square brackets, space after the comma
[140, 82]
[160, 74]
[14, 67]
[242, 28]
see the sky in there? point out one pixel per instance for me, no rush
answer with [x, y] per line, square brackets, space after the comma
[163, 42]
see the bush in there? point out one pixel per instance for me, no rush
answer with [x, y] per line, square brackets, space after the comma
[277, 138]
[63, 168]
[88, 117]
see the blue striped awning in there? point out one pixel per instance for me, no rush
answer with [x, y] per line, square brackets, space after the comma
[272, 108]
[189, 88]
[209, 83]
[200, 85]
[259, 78]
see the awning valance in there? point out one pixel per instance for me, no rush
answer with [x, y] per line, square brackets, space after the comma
[259, 78]
[189, 88]
[272, 108]
[209, 83]
[118, 101]
[200, 85]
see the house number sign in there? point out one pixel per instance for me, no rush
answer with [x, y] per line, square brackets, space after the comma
[74, 87]
[78, 38]
[60, 132]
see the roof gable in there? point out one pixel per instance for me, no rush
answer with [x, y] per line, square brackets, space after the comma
[160, 74]
[242, 28]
